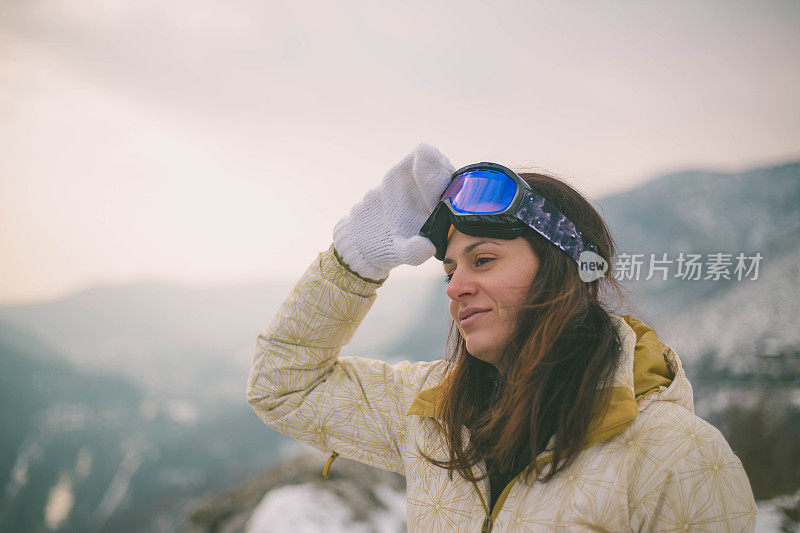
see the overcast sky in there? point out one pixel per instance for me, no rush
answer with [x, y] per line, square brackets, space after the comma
[204, 141]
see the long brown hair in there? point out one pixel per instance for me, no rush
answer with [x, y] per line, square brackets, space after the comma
[552, 377]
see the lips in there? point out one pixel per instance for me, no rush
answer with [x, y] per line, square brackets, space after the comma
[471, 314]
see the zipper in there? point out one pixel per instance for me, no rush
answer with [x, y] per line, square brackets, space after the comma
[327, 469]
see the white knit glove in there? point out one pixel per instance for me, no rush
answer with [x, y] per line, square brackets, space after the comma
[382, 230]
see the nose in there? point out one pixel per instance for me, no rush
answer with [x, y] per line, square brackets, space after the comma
[461, 284]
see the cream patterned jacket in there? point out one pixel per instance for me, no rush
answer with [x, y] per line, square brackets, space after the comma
[649, 465]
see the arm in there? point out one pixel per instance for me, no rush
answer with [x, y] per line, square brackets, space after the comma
[299, 386]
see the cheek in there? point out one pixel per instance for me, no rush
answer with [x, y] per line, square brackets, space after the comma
[512, 299]
[517, 287]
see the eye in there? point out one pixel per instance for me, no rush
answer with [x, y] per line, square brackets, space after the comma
[479, 261]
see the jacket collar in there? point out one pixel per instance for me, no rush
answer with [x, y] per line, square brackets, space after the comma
[642, 368]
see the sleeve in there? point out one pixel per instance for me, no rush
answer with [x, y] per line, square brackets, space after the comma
[706, 489]
[299, 386]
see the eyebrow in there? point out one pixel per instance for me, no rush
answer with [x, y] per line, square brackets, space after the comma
[467, 249]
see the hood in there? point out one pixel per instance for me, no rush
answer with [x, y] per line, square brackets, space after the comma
[645, 365]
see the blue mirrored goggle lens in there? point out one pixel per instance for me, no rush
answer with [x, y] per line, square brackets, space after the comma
[481, 192]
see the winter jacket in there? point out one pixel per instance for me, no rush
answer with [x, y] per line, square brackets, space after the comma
[649, 465]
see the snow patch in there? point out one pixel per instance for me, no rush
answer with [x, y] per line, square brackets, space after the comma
[118, 488]
[59, 502]
[302, 508]
[30, 451]
[393, 519]
[771, 516]
[307, 508]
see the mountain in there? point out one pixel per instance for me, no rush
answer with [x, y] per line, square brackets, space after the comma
[87, 451]
[124, 406]
[48, 413]
[179, 342]
[731, 330]
[704, 213]
[708, 211]
[753, 212]
[168, 339]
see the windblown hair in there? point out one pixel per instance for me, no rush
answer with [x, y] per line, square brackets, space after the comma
[552, 378]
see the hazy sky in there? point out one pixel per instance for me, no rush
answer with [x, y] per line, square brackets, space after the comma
[206, 141]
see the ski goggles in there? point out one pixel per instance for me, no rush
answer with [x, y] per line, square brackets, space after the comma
[490, 200]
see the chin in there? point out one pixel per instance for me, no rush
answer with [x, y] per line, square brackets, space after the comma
[480, 353]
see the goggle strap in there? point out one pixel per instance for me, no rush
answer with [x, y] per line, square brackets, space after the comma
[545, 218]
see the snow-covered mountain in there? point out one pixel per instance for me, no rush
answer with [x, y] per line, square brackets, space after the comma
[81, 450]
[752, 212]
[733, 326]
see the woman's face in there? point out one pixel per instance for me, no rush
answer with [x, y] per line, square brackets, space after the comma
[489, 280]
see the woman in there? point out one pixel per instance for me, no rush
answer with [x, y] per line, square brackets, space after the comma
[549, 413]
